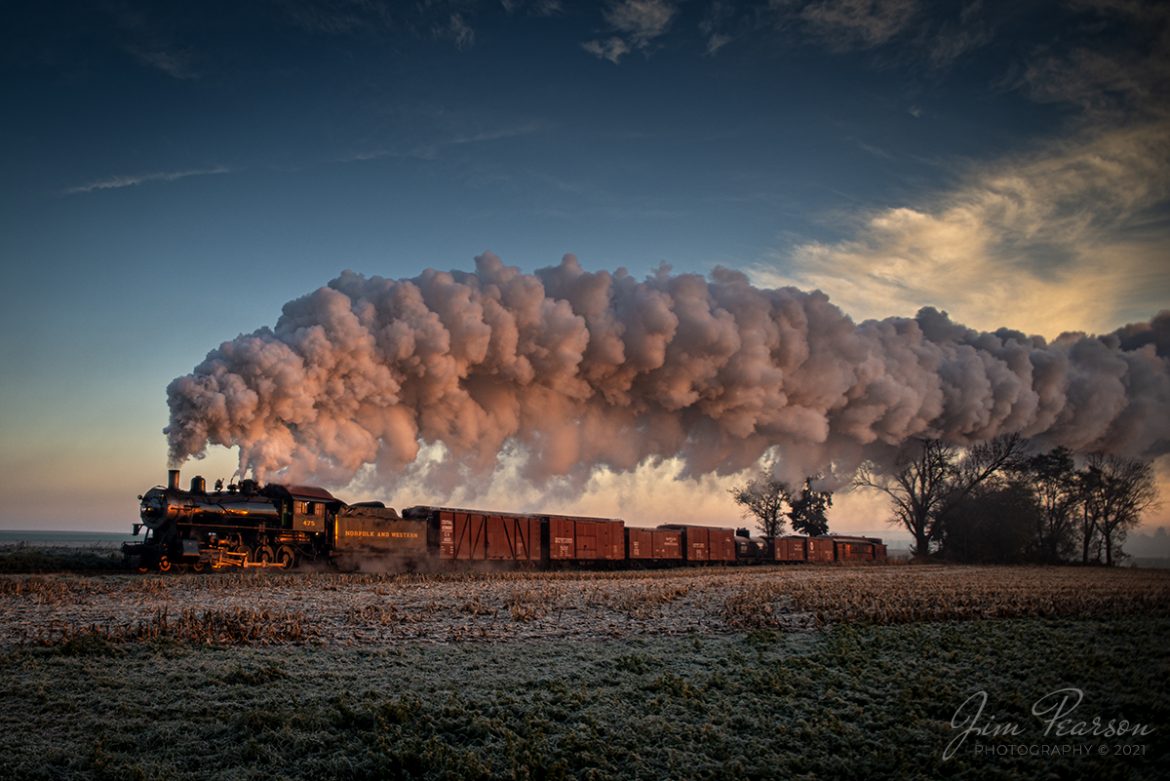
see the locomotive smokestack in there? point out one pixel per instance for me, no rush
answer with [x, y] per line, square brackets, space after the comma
[173, 479]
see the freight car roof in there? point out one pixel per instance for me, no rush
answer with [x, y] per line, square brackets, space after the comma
[581, 518]
[677, 526]
[848, 538]
[419, 509]
[425, 508]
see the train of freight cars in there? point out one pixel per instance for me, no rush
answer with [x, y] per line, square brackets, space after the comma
[248, 525]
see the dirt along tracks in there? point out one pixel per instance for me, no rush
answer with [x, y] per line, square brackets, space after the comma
[345, 609]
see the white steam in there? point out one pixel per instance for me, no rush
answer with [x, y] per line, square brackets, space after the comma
[567, 371]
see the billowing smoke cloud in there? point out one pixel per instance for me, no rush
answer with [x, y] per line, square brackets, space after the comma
[567, 371]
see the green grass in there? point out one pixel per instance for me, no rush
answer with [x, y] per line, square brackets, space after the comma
[847, 702]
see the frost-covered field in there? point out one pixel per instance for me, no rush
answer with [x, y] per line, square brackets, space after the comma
[345, 609]
[755, 673]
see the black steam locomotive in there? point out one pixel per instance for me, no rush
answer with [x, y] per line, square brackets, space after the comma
[248, 525]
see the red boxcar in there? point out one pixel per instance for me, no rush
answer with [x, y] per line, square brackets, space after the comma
[820, 549]
[653, 545]
[639, 544]
[668, 545]
[721, 545]
[703, 544]
[472, 535]
[585, 539]
[850, 549]
[791, 547]
[695, 539]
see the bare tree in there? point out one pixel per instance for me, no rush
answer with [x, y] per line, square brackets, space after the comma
[931, 477]
[763, 498]
[1117, 491]
[1088, 486]
[917, 486]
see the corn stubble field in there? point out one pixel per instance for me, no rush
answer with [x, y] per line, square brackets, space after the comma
[719, 673]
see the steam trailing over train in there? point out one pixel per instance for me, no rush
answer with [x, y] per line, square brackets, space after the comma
[567, 371]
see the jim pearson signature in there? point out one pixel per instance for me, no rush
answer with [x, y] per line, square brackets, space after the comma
[1054, 712]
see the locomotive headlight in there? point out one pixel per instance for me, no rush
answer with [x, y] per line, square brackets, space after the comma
[153, 510]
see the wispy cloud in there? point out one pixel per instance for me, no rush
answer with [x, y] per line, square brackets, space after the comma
[441, 20]
[1059, 240]
[116, 182]
[929, 36]
[612, 49]
[955, 39]
[176, 63]
[533, 7]
[338, 17]
[713, 26]
[457, 30]
[1130, 74]
[152, 43]
[432, 149]
[853, 24]
[635, 23]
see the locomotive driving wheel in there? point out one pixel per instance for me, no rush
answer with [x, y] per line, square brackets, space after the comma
[263, 554]
[164, 564]
[286, 557]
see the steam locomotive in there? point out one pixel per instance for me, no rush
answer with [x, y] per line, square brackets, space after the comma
[249, 525]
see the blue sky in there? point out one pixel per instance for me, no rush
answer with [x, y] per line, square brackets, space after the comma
[172, 174]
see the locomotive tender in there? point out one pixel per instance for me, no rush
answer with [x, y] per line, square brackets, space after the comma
[249, 525]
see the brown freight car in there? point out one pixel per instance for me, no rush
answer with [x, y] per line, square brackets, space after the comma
[820, 550]
[370, 532]
[790, 548]
[653, 545]
[639, 544]
[476, 535]
[704, 544]
[694, 541]
[667, 545]
[721, 544]
[853, 549]
[573, 539]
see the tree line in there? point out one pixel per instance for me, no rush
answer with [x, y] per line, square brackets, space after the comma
[994, 502]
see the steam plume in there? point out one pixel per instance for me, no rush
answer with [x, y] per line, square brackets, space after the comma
[568, 371]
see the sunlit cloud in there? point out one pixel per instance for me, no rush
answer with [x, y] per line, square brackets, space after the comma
[1065, 239]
